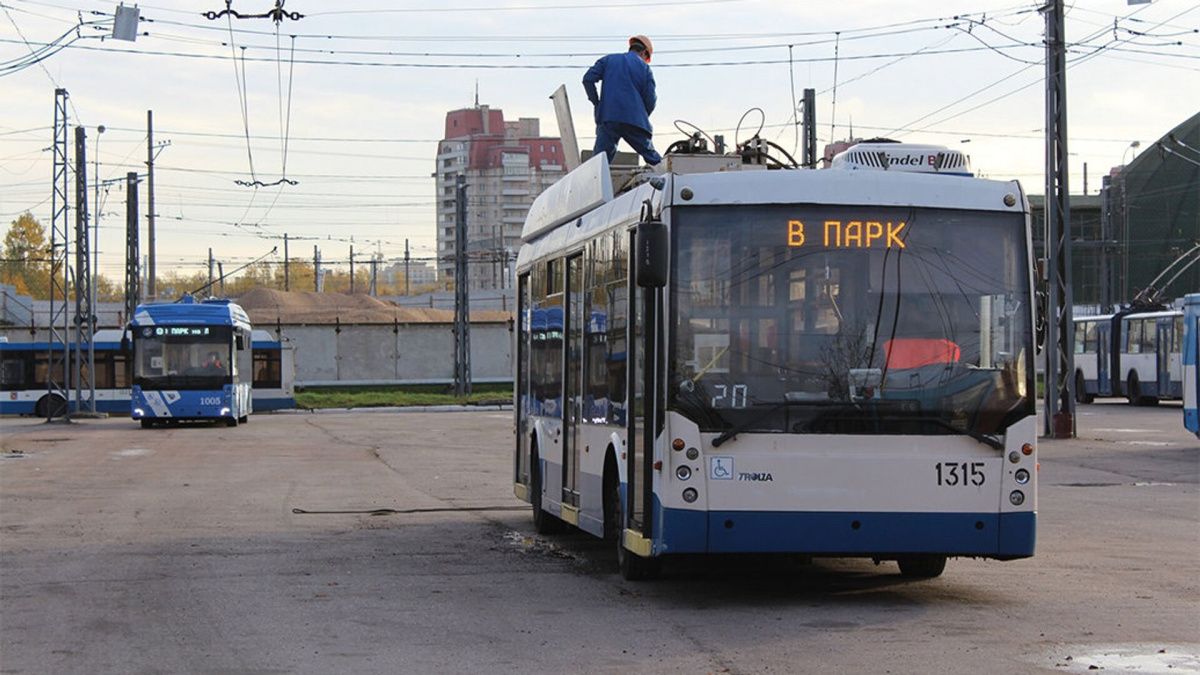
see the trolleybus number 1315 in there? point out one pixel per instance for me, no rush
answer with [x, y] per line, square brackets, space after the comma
[959, 473]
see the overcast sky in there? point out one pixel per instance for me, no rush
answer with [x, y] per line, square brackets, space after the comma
[370, 83]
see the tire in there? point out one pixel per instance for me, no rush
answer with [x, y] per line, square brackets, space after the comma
[50, 405]
[1081, 395]
[922, 566]
[231, 422]
[632, 567]
[146, 424]
[1134, 392]
[543, 522]
[244, 419]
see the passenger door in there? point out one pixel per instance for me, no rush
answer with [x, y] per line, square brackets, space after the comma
[573, 384]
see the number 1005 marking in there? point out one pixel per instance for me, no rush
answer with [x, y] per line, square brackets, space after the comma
[959, 473]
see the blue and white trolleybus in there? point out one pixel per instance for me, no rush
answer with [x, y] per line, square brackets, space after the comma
[831, 363]
[191, 361]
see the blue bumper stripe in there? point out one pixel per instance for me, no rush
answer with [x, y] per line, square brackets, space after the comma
[848, 533]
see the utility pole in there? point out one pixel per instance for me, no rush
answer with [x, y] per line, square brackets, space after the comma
[132, 278]
[316, 269]
[351, 269]
[462, 320]
[85, 320]
[210, 270]
[58, 356]
[809, 158]
[1060, 339]
[374, 276]
[151, 288]
[287, 282]
[406, 288]
[221, 276]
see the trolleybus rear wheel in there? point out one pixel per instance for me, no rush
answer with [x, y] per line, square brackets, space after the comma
[50, 405]
[1134, 392]
[923, 566]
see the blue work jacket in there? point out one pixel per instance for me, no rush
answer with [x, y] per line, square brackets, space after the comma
[628, 92]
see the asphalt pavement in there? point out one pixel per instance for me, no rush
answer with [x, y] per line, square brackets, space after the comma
[125, 550]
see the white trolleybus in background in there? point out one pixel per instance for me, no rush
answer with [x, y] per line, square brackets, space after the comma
[835, 362]
[1135, 353]
[1191, 356]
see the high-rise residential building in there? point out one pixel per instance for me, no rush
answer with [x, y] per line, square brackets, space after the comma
[506, 165]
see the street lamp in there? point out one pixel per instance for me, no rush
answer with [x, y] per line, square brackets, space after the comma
[1132, 146]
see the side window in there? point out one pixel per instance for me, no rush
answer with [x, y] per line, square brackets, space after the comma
[1149, 336]
[1081, 337]
[1133, 337]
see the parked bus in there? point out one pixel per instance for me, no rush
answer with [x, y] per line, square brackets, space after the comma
[192, 360]
[829, 363]
[1191, 356]
[23, 368]
[1132, 353]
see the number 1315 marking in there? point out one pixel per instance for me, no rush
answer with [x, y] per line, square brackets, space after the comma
[960, 473]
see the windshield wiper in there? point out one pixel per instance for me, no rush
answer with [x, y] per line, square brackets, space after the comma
[986, 439]
[790, 399]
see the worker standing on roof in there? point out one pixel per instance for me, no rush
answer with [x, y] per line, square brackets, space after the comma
[623, 108]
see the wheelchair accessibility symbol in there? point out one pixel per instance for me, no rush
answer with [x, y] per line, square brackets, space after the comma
[720, 468]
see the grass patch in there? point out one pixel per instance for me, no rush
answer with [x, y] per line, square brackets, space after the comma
[398, 396]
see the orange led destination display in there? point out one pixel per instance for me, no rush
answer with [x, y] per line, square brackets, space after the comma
[848, 234]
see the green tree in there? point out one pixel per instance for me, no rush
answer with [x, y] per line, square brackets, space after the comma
[26, 263]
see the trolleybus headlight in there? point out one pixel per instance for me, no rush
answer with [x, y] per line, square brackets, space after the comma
[224, 412]
[683, 473]
[677, 444]
[1027, 448]
[138, 412]
[690, 495]
[692, 453]
[1014, 456]
[1016, 498]
[1022, 476]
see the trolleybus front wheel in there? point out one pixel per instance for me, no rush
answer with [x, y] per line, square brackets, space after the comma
[633, 567]
[1081, 395]
[543, 523]
[925, 566]
[146, 424]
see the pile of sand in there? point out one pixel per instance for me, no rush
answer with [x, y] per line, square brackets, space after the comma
[267, 306]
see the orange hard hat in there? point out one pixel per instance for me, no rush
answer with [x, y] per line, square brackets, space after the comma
[645, 42]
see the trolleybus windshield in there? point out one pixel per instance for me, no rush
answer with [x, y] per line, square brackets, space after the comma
[836, 319]
[182, 357]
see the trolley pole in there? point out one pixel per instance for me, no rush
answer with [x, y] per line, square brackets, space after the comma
[1060, 339]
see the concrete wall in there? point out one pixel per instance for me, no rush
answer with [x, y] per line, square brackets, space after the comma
[408, 353]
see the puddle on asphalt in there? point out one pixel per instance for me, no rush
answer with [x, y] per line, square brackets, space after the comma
[1128, 658]
[131, 452]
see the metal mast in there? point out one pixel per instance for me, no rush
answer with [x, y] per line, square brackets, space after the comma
[85, 319]
[462, 321]
[132, 273]
[1060, 338]
[58, 328]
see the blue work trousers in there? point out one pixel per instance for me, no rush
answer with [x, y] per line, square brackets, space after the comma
[608, 133]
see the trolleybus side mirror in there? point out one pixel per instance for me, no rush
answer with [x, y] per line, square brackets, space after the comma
[124, 342]
[651, 244]
[1039, 318]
